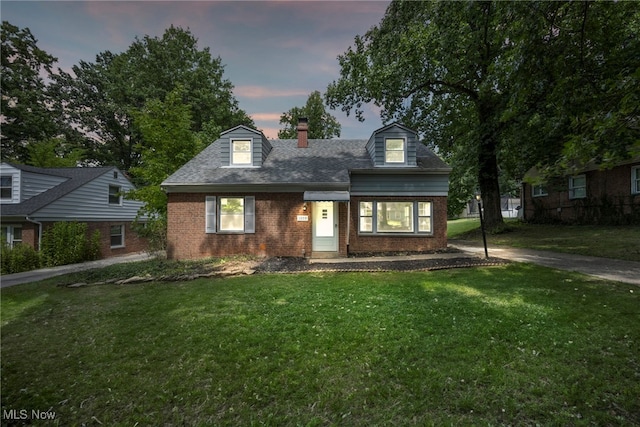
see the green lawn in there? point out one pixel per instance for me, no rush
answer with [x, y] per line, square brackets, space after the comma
[516, 345]
[619, 242]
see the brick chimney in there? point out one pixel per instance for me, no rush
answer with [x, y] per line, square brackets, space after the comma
[303, 128]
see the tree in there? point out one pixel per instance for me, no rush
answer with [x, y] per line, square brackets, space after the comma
[169, 143]
[55, 153]
[102, 96]
[487, 82]
[26, 115]
[322, 125]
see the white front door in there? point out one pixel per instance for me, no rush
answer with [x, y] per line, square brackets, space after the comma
[325, 227]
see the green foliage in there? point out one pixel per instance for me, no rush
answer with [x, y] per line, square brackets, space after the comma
[322, 125]
[487, 83]
[26, 109]
[104, 97]
[67, 243]
[55, 153]
[19, 258]
[154, 229]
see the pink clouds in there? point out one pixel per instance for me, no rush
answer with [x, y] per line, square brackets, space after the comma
[250, 91]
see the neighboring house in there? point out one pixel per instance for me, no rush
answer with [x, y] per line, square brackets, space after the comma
[589, 196]
[510, 208]
[245, 194]
[32, 199]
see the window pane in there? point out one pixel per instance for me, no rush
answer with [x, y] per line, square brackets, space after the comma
[424, 208]
[17, 234]
[579, 181]
[366, 224]
[241, 152]
[424, 225]
[116, 235]
[232, 213]
[366, 208]
[241, 158]
[5, 181]
[394, 151]
[114, 195]
[394, 217]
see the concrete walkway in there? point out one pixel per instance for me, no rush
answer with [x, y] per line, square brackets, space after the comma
[604, 268]
[7, 280]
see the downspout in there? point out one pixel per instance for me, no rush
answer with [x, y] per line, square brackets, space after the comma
[39, 224]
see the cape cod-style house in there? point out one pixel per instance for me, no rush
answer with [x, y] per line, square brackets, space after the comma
[246, 194]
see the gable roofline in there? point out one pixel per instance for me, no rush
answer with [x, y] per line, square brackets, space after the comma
[247, 128]
[395, 124]
[76, 178]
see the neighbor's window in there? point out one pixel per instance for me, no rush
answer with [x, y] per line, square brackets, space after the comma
[116, 233]
[241, 152]
[390, 217]
[578, 187]
[538, 190]
[394, 150]
[6, 187]
[230, 214]
[635, 180]
[115, 198]
[12, 234]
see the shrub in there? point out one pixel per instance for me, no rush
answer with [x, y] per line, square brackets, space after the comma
[19, 258]
[67, 243]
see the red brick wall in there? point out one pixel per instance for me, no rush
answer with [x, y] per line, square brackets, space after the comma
[614, 184]
[278, 233]
[410, 243]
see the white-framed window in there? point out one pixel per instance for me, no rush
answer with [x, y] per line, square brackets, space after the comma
[6, 187]
[539, 190]
[230, 214]
[635, 180]
[395, 150]
[578, 187]
[241, 152]
[12, 234]
[116, 235]
[395, 217]
[115, 196]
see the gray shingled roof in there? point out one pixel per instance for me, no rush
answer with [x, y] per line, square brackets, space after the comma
[326, 161]
[76, 177]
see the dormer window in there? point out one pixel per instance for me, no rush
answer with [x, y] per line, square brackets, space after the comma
[241, 152]
[394, 150]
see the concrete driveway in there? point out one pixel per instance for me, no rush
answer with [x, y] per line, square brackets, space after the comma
[7, 280]
[603, 268]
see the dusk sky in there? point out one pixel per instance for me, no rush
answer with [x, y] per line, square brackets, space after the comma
[275, 52]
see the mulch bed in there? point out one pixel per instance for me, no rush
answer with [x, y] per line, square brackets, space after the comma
[297, 265]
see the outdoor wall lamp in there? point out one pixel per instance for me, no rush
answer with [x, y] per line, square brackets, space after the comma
[484, 235]
[304, 207]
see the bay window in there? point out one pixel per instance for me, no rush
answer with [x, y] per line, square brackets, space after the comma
[395, 217]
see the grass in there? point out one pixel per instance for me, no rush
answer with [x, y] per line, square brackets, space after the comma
[517, 345]
[619, 242]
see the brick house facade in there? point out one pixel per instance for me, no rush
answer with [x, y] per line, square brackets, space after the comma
[245, 194]
[589, 196]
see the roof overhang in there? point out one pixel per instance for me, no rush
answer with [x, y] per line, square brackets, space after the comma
[326, 196]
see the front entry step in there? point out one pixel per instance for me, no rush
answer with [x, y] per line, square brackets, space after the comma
[325, 255]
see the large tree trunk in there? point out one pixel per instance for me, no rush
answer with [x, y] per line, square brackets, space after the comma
[488, 168]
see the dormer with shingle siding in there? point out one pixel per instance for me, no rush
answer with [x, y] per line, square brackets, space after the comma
[393, 146]
[243, 147]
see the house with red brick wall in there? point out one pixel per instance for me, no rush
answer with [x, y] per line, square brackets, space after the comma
[590, 195]
[246, 194]
[32, 199]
